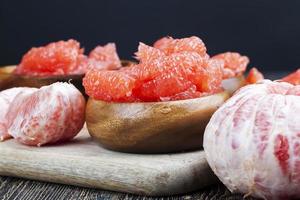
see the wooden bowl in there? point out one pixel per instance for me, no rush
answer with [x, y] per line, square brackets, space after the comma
[151, 127]
[154, 127]
[8, 79]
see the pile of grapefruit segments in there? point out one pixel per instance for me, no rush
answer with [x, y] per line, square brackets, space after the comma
[171, 69]
[67, 58]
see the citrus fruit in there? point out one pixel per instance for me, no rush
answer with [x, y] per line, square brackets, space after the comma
[173, 69]
[293, 78]
[105, 57]
[51, 114]
[162, 43]
[187, 94]
[192, 44]
[210, 80]
[57, 58]
[161, 87]
[254, 76]
[252, 141]
[6, 97]
[234, 63]
[109, 85]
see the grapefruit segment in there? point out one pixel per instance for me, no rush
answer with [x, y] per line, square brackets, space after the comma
[254, 76]
[172, 69]
[293, 78]
[105, 57]
[234, 63]
[109, 85]
[57, 58]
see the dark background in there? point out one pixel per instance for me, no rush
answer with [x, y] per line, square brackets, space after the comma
[267, 31]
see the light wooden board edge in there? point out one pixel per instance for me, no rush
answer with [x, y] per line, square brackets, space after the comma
[84, 163]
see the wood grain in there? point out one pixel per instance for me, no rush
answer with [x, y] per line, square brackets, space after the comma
[152, 127]
[8, 79]
[24, 189]
[21, 189]
[82, 162]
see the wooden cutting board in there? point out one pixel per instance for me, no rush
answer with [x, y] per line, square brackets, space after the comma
[82, 162]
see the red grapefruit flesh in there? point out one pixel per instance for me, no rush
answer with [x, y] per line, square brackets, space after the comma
[234, 63]
[173, 69]
[293, 78]
[57, 58]
[105, 57]
[254, 76]
[109, 85]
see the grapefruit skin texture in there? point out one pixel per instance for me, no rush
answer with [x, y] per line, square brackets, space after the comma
[51, 114]
[252, 142]
[6, 97]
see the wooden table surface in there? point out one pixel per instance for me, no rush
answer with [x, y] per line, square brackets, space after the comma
[17, 188]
